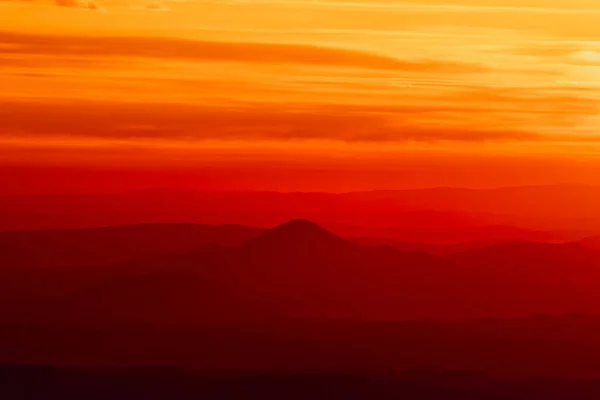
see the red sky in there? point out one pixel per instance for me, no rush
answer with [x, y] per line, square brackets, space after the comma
[304, 95]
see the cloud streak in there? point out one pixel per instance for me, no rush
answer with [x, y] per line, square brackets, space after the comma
[215, 51]
[428, 7]
[146, 122]
[85, 4]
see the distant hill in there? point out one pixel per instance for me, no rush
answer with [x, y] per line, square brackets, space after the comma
[435, 249]
[299, 239]
[300, 270]
[441, 216]
[68, 247]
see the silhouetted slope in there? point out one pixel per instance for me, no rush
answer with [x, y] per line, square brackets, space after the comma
[300, 270]
[166, 297]
[532, 277]
[433, 216]
[545, 201]
[435, 249]
[547, 258]
[295, 270]
[310, 269]
[299, 238]
[162, 383]
[535, 346]
[64, 247]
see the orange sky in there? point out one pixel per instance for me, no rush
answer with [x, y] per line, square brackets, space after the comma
[303, 94]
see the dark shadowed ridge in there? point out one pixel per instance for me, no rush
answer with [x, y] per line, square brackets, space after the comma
[519, 250]
[522, 261]
[69, 247]
[286, 267]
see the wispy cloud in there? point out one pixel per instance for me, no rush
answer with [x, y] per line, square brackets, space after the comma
[152, 5]
[261, 53]
[430, 7]
[149, 121]
[85, 4]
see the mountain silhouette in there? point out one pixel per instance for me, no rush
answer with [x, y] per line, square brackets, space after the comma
[529, 256]
[301, 270]
[441, 250]
[70, 247]
[438, 216]
[299, 235]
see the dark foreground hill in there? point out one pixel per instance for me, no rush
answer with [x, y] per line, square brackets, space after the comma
[39, 382]
[299, 297]
[567, 346]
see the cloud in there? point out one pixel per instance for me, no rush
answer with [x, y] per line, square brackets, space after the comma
[582, 54]
[439, 6]
[586, 57]
[213, 51]
[503, 115]
[85, 4]
[156, 5]
[82, 4]
[152, 5]
[112, 120]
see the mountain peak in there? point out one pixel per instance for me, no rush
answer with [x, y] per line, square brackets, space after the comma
[301, 230]
[300, 225]
[299, 234]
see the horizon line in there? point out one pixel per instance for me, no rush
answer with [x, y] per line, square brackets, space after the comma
[273, 191]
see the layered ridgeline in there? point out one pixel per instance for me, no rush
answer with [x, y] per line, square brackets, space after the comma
[439, 215]
[184, 273]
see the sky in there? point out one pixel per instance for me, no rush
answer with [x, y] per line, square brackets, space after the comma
[298, 95]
